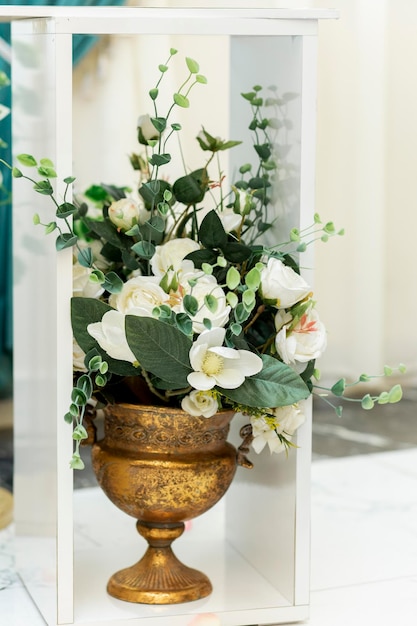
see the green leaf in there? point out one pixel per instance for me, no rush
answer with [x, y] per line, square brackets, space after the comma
[192, 65]
[200, 257]
[211, 303]
[236, 252]
[153, 93]
[181, 100]
[163, 68]
[79, 433]
[153, 191]
[160, 159]
[43, 187]
[79, 397]
[184, 323]
[263, 151]
[144, 249]
[76, 462]
[67, 240]
[66, 209]
[69, 180]
[27, 159]
[97, 277]
[232, 278]
[190, 189]
[190, 305]
[339, 387]
[276, 385]
[201, 79]
[367, 403]
[16, 173]
[159, 123]
[112, 283]
[160, 348]
[253, 278]
[395, 394]
[212, 233]
[48, 172]
[50, 228]
[85, 257]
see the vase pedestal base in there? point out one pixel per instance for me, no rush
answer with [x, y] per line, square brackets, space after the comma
[159, 577]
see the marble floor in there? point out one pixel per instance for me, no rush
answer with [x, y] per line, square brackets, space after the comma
[364, 523]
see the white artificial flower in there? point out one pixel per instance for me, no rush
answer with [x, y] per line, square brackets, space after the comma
[205, 285]
[139, 296]
[124, 213]
[111, 337]
[289, 419]
[284, 420]
[170, 255]
[146, 128]
[229, 219]
[263, 432]
[82, 286]
[213, 364]
[305, 341]
[282, 285]
[199, 403]
[78, 356]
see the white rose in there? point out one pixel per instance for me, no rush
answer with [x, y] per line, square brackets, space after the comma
[171, 254]
[111, 337]
[139, 296]
[124, 213]
[146, 129]
[229, 219]
[205, 285]
[82, 286]
[307, 340]
[281, 284]
[199, 403]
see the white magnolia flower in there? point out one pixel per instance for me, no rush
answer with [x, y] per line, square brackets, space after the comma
[78, 356]
[205, 285]
[82, 286]
[289, 418]
[169, 256]
[111, 337]
[146, 129]
[264, 434]
[139, 296]
[214, 364]
[199, 403]
[124, 213]
[279, 283]
[307, 340]
[284, 420]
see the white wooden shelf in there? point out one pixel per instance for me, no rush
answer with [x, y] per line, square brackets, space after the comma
[255, 544]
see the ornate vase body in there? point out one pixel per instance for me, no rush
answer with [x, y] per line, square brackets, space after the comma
[163, 467]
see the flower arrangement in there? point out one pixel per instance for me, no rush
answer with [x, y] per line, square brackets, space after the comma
[176, 299]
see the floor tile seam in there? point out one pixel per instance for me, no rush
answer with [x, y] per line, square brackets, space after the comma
[368, 583]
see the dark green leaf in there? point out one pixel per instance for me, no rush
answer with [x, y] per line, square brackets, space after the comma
[160, 348]
[190, 305]
[236, 252]
[276, 385]
[107, 231]
[44, 187]
[212, 233]
[258, 183]
[112, 283]
[152, 192]
[159, 123]
[85, 257]
[198, 257]
[190, 189]
[263, 151]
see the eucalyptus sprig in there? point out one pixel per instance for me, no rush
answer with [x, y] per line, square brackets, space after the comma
[367, 401]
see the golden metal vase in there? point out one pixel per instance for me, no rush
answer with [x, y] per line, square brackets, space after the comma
[163, 467]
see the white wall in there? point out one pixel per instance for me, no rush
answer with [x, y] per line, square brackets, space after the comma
[367, 130]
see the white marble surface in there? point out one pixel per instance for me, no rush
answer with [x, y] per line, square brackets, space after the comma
[364, 546]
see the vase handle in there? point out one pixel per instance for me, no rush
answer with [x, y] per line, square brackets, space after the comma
[247, 436]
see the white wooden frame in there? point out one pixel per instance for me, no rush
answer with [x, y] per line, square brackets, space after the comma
[255, 545]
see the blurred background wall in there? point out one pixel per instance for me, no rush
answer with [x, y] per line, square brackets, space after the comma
[365, 282]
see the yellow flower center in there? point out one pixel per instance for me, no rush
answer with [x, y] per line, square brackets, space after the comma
[212, 363]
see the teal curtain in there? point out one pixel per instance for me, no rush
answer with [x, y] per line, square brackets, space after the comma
[81, 45]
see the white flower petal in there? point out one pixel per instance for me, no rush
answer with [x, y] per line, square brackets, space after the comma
[201, 381]
[230, 378]
[249, 363]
